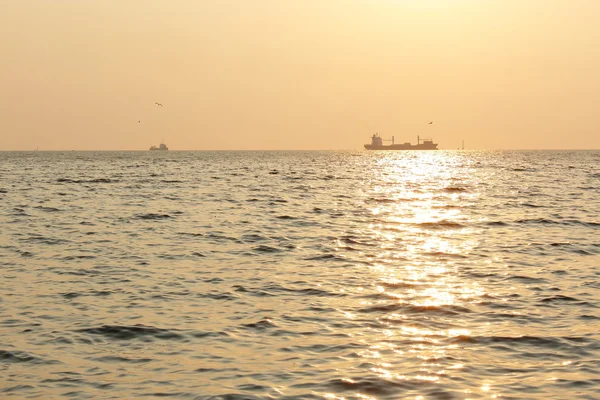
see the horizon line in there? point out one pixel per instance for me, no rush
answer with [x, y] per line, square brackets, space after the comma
[360, 149]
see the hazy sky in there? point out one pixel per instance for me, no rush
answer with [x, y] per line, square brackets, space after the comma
[298, 74]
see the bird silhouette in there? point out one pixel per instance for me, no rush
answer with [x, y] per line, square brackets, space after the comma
[158, 104]
[431, 123]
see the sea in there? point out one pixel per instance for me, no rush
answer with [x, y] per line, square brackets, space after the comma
[233, 275]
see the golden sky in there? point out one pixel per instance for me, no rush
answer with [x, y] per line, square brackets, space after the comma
[298, 74]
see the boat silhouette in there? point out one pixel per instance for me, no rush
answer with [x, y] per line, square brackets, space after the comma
[422, 144]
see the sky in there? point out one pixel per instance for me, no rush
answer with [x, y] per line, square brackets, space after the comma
[298, 74]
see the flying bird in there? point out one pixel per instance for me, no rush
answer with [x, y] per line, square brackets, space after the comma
[431, 123]
[158, 104]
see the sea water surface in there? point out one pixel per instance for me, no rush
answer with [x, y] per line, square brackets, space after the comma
[300, 275]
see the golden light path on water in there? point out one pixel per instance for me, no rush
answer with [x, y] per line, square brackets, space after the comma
[423, 237]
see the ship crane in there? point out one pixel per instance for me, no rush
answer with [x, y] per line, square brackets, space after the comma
[389, 140]
[419, 140]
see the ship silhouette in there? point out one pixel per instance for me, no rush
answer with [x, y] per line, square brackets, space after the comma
[422, 144]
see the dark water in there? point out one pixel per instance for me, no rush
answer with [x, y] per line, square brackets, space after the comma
[314, 275]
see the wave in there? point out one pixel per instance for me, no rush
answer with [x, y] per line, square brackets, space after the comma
[266, 249]
[442, 254]
[253, 292]
[78, 257]
[17, 388]
[47, 209]
[289, 217]
[233, 396]
[584, 223]
[418, 309]
[384, 200]
[123, 332]
[522, 169]
[547, 221]
[16, 356]
[564, 299]
[303, 291]
[219, 296]
[96, 180]
[38, 239]
[439, 224]
[570, 345]
[119, 359]
[541, 221]
[496, 223]
[25, 254]
[153, 216]
[455, 189]
[263, 324]
[525, 279]
[253, 237]
[74, 295]
[325, 257]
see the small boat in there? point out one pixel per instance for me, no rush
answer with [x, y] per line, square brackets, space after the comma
[422, 144]
[162, 146]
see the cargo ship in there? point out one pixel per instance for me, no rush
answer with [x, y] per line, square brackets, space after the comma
[422, 144]
[162, 146]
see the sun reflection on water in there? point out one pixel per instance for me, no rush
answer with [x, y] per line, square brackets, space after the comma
[422, 235]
